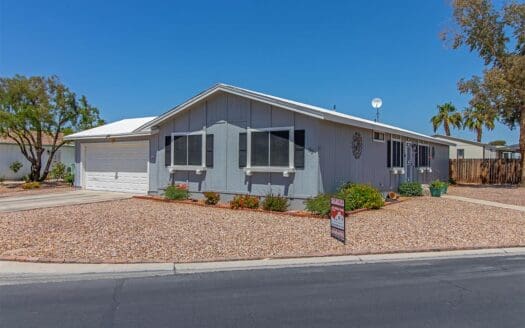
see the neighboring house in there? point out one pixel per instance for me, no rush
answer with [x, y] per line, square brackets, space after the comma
[509, 152]
[467, 149]
[10, 152]
[234, 141]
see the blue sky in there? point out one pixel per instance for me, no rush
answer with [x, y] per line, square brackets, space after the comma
[135, 59]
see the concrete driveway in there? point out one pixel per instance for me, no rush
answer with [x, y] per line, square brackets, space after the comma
[29, 202]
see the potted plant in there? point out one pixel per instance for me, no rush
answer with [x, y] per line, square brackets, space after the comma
[436, 188]
[444, 187]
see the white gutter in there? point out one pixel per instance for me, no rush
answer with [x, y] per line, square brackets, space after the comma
[109, 136]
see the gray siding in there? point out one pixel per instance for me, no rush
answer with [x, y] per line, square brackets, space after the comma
[328, 156]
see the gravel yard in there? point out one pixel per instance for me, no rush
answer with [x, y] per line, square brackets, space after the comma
[141, 230]
[15, 189]
[500, 194]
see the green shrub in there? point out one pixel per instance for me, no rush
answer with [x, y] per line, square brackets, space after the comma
[177, 192]
[2, 179]
[15, 166]
[319, 204]
[345, 186]
[58, 171]
[361, 196]
[31, 185]
[69, 178]
[411, 189]
[276, 203]
[437, 184]
[212, 197]
[244, 201]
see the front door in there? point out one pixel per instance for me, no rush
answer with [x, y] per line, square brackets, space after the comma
[410, 161]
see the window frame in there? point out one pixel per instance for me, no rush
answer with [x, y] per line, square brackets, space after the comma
[378, 140]
[419, 154]
[397, 138]
[269, 168]
[179, 167]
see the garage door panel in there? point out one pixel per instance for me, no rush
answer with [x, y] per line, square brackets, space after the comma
[118, 166]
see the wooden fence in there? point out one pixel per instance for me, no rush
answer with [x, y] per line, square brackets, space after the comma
[485, 171]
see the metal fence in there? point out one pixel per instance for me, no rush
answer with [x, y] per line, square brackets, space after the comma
[485, 171]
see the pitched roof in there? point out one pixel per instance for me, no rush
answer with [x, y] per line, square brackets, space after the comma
[457, 139]
[46, 140]
[122, 128]
[305, 109]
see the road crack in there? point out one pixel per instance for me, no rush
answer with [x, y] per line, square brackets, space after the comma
[109, 316]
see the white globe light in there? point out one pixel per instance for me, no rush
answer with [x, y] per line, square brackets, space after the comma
[377, 103]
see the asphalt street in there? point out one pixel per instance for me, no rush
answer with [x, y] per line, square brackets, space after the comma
[480, 292]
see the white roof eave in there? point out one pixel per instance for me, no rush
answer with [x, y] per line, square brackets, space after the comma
[108, 136]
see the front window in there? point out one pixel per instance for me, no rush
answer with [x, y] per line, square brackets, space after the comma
[461, 153]
[395, 153]
[189, 150]
[423, 156]
[270, 148]
[277, 148]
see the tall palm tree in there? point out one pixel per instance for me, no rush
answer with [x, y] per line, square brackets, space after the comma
[477, 117]
[448, 117]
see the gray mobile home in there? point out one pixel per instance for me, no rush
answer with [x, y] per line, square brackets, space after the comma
[237, 141]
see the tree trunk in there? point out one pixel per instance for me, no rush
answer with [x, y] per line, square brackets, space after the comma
[522, 145]
[447, 129]
[479, 133]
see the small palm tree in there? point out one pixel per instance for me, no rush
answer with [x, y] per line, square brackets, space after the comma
[448, 117]
[478, 117]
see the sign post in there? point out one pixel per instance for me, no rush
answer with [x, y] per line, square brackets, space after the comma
[337, 219]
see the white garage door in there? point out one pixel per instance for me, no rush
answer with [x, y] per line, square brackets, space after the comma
[117, 166]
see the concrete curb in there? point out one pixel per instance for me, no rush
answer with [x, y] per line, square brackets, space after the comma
[14, 269]
[186, 268]
[26, 268]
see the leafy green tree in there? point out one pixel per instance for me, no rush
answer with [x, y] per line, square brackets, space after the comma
[446, 116]
[497, 35]
[34, 107]
[477, 118]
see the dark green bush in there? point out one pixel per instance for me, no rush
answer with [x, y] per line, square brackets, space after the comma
[319, 204]
[276, 203]
[410, 189]
[177, 192]
[361, 196]
[212, 197]
[69, 178]
[244, 201]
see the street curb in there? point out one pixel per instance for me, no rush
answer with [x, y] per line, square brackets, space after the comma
[13, 268]
[202, 267]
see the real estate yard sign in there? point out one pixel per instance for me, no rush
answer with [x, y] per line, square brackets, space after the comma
[337, 219]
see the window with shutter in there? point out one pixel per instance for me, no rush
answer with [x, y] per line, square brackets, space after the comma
[209, 150]
[167, 150]
[242, 149]
[299, 140]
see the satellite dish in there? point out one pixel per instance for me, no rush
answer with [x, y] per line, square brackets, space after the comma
[377, 103]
